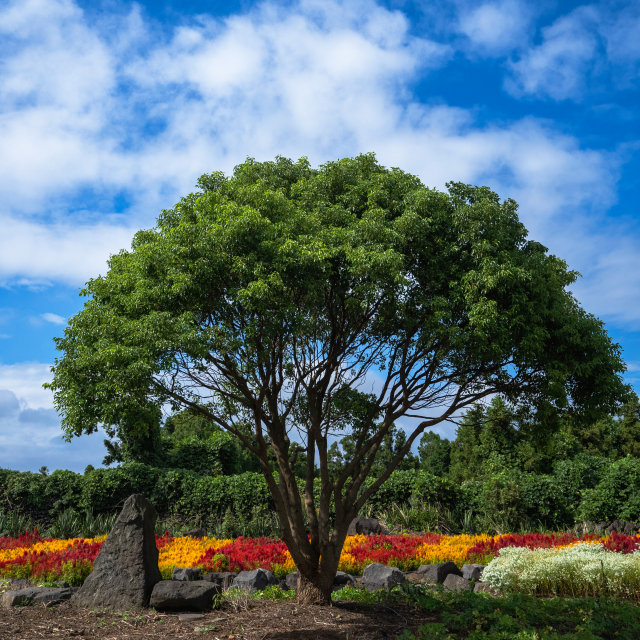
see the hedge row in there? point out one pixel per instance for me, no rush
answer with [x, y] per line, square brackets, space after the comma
[585, 488]
[178, 491]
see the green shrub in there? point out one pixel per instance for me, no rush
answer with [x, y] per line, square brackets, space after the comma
[417, 484]
[617, 495]
[576, 475]
[216, 455]
[15, 523]
[477, 615]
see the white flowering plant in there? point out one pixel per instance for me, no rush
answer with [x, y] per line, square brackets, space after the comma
[579, 570]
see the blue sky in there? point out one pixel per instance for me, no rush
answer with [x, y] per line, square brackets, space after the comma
[110, 111]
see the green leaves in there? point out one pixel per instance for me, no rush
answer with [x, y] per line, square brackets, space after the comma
[274, 289]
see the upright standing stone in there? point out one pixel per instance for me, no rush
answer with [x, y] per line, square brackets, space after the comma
[126, 569]
[364, 526]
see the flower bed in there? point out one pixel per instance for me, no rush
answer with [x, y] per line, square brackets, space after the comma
[582, 569]
[31, 556]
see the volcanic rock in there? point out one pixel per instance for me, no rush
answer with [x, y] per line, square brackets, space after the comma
[175, 594]
[185, 575]
[256, 580]
[223, 579]
[456, 583]
[378, 576]
[472, 571]
[436, 573]
[364, 526]
[126, 569]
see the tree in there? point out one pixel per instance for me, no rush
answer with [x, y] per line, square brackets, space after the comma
[186, 424]
[257, 300]
[435, 453]
[465, 457]
[340, 454]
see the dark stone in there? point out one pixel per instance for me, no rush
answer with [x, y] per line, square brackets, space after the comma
[175, 594]
[195, 533]
[436, 573]
[472, 571]
[378, 576]
[364, 526]
[292, 580]
[223, 579]
[4, 535]
[256, 580]
[283, 585]
[617, 526]
[483, 587]
[630, 529]
[35, 595]
[16, 584]
[126, 569]
[456, 583]
[185, 575]
[343, 579]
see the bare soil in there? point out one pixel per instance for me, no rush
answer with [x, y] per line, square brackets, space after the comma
[250, 620]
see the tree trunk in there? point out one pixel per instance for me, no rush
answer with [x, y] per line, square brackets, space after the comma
[317, 591]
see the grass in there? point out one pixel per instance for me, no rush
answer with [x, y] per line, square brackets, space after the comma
[479, 616]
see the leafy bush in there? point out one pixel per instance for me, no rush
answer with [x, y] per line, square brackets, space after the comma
[216, 455]
[511, 500]
[172, 491]
[508, 499]
[617, 494]
[71, 524]
[418, 516]
[417, 484]
[14, 524]
[475, 615]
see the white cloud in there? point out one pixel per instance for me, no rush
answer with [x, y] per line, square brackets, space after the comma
[33, 254]
[94, 112]
[580, 53]
[55, 319]
[30, 434]
[25, 380]
[558, 67]
[496, 27]
[621, 32]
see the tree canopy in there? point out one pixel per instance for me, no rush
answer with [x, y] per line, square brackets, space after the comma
[287, 303]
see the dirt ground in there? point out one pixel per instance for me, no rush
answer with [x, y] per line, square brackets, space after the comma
[251, 620]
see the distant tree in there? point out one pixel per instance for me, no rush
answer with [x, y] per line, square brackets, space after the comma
[435, 453]
[613, 436]
[341, 453]
[188, 423]
[43, 471]
[465, 458]
[270, 292]
[629, 428]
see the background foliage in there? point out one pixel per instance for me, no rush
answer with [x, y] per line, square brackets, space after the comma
[498, 474]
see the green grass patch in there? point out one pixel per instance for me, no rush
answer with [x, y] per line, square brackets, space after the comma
[273, 593]
[363, 596]
[481, 617]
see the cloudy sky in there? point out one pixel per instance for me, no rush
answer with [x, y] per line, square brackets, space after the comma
[110, 111]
